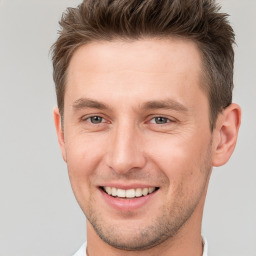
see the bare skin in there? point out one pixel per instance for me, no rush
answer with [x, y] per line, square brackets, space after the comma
[135, 117]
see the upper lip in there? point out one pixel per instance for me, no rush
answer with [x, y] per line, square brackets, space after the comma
[127, 186]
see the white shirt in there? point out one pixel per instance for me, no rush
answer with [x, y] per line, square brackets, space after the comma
[82, 250]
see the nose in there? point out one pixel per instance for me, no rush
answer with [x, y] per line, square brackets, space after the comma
[125, 149]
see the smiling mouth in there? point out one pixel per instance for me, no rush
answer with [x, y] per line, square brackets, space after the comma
[129, 193]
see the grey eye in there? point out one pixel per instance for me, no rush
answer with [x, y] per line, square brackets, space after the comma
[95, 119]
[161, 120]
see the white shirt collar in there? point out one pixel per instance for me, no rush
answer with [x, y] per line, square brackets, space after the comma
[81, 251]
[205, 251]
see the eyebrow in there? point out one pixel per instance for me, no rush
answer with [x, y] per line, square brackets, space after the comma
[88, 103]
[165, 104]
[83, 103]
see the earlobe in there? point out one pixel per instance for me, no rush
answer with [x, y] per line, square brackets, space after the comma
[225, 134]
[59, 130]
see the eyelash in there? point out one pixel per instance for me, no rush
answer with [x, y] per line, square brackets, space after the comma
[102, 120]
[89, 119]
[165, 119]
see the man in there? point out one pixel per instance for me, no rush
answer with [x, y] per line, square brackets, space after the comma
[144, 91]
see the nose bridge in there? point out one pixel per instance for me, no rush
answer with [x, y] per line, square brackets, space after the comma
[125, 153]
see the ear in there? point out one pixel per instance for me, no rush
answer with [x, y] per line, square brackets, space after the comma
[59, 130]
[225, 134]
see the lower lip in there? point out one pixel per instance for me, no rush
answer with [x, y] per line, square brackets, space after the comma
[126, 204]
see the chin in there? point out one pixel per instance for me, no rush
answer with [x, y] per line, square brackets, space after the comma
[136, 235]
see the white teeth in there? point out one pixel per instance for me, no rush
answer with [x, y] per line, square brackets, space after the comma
[129, 193]
[145, 191]
[114, 192]
[108, 190]
[120, 192]
[138, 192]
[150, 190]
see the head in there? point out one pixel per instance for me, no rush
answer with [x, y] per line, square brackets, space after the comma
[198, 21]
[144, 92]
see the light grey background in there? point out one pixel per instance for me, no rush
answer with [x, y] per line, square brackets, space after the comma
[38, 213]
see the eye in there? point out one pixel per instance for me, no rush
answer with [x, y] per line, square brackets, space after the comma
[160, 120]
[95, 119]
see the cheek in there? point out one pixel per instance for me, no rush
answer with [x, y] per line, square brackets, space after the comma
[184, 160]
[84, 153]
[186, 167]
[81, 162]
[173, 152]
[83, 157]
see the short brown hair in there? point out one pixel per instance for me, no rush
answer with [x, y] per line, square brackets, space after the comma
[197, 20]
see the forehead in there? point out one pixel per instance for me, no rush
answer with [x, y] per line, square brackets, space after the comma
[159, 55]
[148, 67]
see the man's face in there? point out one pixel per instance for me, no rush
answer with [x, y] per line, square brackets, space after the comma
[136, 122]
